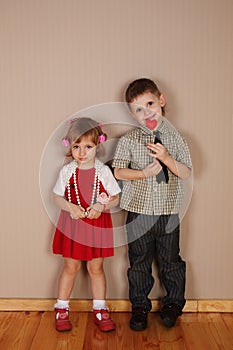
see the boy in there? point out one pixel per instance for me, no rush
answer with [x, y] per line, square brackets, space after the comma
[152, 160]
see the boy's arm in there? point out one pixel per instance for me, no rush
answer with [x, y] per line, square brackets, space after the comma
[128, 174]
[132, 174]
[122, 161]
[177, 168]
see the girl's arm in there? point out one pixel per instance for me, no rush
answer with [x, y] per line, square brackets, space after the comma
[76, 211]
[95, 211]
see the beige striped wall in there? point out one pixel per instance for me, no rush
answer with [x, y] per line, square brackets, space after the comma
[61, 56]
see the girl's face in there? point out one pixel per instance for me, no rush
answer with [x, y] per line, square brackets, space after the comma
[84, 152]
[147, 109]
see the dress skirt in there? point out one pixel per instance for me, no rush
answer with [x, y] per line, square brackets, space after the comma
[84, 239]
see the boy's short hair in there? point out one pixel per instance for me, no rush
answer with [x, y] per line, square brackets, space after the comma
[139, 87]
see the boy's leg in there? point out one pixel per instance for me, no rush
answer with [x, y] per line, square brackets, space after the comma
[141, 254]
[141, 281]
[172, 268]
[141, 251]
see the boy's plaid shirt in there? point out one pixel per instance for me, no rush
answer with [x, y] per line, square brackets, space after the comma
[146, 196]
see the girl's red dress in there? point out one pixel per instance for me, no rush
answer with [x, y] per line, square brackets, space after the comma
[83, 239]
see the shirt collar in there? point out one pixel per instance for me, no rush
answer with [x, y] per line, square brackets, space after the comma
[146, 130]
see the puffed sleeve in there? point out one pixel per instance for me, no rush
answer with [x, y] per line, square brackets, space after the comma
[109, 182]
[60, 185]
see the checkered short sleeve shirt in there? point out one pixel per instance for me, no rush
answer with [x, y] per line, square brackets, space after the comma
[147, 196]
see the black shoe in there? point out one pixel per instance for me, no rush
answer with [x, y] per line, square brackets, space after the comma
[138, 321]
[170, 313]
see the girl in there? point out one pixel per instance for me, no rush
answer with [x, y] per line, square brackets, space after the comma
[84, 191]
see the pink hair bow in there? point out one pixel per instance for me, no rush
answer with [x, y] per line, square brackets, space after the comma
[65, 142]
[102, 138]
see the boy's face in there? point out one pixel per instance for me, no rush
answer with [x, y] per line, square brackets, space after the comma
[147, 109]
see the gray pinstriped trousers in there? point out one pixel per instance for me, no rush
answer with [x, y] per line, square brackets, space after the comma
[154, 238]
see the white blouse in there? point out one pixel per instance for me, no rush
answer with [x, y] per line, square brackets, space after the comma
[104, 173]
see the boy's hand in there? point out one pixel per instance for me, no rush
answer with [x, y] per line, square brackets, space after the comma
[159, 151]
[152, 169]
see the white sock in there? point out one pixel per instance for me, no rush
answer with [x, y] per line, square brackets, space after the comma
[62, 304]
[99, 304]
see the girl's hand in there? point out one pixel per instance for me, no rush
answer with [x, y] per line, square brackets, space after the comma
[159, 151]
[152, 169]
[76, 211]
[95, 211]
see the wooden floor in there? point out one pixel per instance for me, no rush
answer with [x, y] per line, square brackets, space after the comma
[194, 331]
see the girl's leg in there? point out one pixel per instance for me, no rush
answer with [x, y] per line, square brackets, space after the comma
[98, 287]
[97, 277]
[67, 278]
[66, 282]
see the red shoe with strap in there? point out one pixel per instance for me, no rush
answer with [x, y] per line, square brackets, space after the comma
[62, 322]
[103, 320]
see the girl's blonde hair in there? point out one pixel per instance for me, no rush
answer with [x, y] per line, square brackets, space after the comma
[83, 127]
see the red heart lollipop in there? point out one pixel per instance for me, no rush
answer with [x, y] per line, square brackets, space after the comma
[151, 124]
